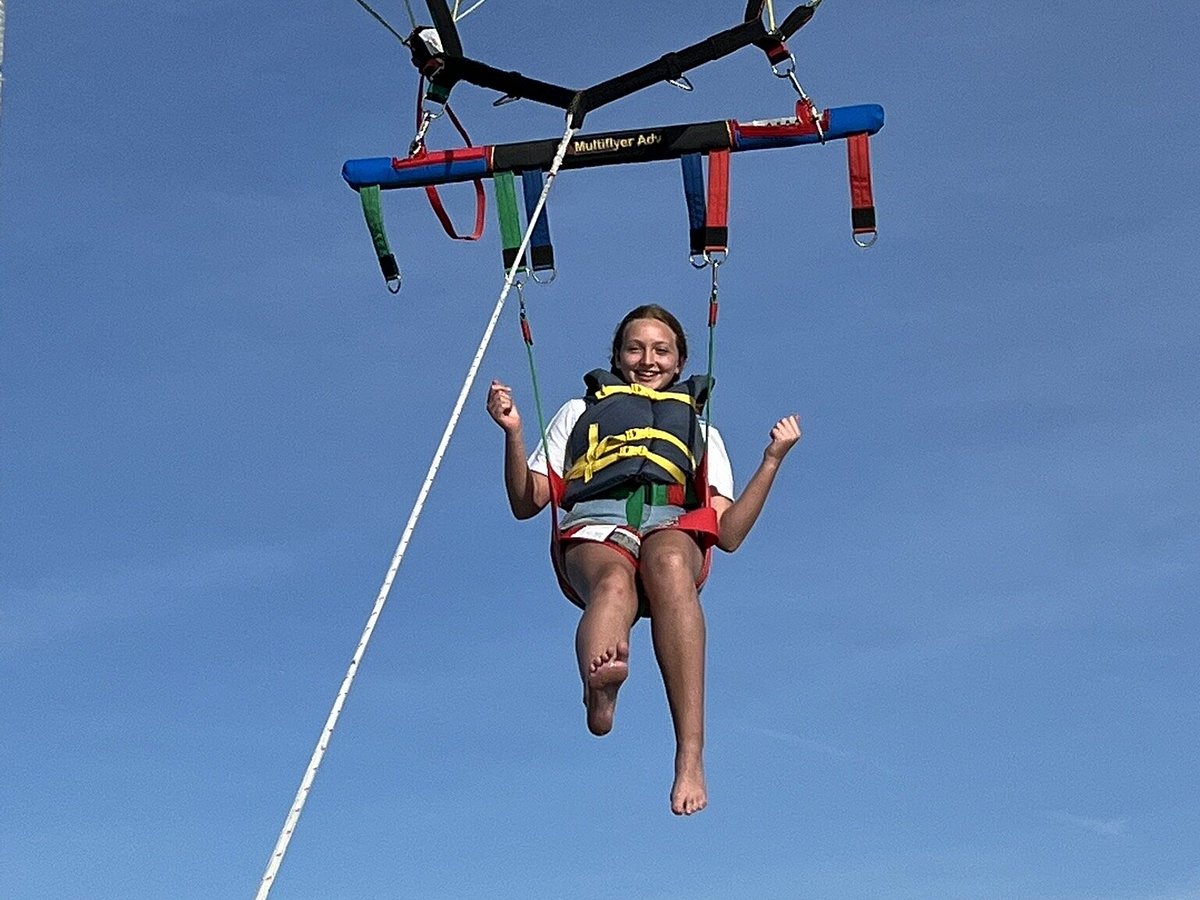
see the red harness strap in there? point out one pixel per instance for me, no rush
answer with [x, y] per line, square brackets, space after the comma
[435, 200]
[862, 202]
[716, 222]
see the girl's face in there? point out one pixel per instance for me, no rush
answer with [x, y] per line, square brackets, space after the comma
[649, 354]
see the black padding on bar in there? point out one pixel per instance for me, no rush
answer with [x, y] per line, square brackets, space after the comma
[863, 218]
[664, 142]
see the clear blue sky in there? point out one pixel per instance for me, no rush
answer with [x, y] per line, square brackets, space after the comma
[956, 658]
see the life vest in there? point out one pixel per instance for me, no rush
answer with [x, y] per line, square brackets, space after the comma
[631, 435]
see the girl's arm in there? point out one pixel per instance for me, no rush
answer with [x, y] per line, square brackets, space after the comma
[528, 491]
[735, 518]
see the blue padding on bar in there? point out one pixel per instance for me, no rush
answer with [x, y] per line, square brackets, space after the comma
[531, 184]
[847, 120]
[378, 170]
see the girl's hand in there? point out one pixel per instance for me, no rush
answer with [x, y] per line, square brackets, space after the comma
[501, 408]
[784, 436]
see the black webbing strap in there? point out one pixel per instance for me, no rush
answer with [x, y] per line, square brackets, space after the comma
[511, 84]
[772, 43]
[447, 68]
[794, 21]
[666, 68]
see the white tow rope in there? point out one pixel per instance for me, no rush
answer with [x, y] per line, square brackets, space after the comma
[310, 774]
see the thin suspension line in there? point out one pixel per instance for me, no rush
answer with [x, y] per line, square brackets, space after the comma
[1, 59]
[466, 12]
[310, 774]
[384, 22]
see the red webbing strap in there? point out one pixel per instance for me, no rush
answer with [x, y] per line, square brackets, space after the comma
[435, 200]
[716, 223]
[557, 489]
[862, 202]
[702, 523]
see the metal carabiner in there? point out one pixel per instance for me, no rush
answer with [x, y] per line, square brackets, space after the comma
[779, 72]
[812, 110]
[682, 83]
[787, 69]
[418, 141]
[715, 262]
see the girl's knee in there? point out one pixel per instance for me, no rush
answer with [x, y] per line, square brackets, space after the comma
[612, 583]
[671, 563]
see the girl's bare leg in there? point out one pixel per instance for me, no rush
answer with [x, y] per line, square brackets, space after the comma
[669, 564]
[606, 580]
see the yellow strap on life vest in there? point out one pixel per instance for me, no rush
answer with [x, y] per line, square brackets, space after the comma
[603, 453]
[639, 390]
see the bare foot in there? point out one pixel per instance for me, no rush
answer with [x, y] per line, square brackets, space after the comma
[606, 674]
[689, 793]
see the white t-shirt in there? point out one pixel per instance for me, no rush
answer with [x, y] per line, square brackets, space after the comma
[720, 473]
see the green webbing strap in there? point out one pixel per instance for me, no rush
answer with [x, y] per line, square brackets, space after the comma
[437, 93]
[635, 509]
[712, 330]
[373, 213]
[643, 494]
[510, 218]
[527, 334]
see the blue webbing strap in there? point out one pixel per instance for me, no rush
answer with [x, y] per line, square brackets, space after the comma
[694, 193]
[541, 251]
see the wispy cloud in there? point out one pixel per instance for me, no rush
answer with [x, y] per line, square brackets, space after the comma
[807, 743]
[1105, 827]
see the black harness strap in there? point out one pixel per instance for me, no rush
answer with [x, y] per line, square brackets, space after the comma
[447, 68]
[666, 68]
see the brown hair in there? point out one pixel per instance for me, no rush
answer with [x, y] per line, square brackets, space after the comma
[658, 314]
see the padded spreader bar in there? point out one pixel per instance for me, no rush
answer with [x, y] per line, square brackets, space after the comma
[610, 148]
